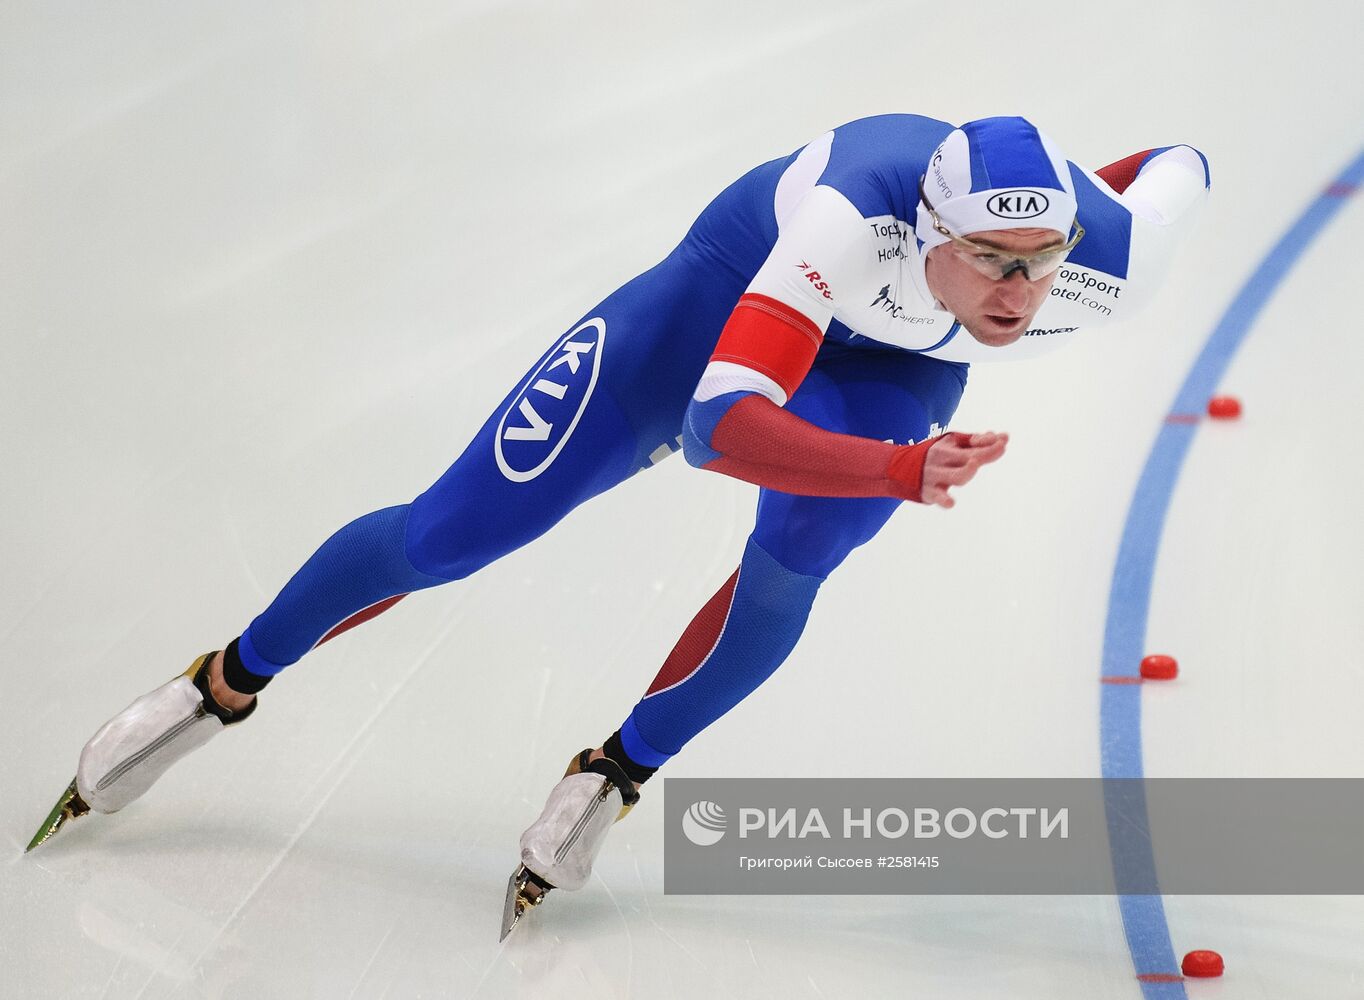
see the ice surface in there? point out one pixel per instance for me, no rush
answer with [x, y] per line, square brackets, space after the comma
[267, 266]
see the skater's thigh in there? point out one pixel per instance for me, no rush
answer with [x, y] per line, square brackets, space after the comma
[883, 394]
[605, 401]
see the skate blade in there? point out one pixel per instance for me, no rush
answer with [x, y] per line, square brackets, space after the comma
[518, 900]
[70, 806]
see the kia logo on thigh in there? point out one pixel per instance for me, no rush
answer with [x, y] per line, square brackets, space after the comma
[543, 415]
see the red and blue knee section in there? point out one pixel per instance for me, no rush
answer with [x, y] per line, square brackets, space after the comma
[741, 635]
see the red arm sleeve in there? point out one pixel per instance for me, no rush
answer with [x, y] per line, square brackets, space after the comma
[761, 443]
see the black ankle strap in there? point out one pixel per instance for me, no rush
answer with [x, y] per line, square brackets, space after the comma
[226, 715]
[614, 748]
[615, 774]
[235, 674]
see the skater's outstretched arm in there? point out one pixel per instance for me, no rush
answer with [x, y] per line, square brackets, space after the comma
[761, 443]
[736, 423]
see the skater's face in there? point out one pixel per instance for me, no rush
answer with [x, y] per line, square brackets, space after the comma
[995, 311]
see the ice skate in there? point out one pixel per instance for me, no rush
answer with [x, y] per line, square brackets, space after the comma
[135, 747]
[558, 849]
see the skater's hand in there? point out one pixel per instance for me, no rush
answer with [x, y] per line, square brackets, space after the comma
[953, 459]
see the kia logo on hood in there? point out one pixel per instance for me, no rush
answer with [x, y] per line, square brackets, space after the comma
[1019, 204]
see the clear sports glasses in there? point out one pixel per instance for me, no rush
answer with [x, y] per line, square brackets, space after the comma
[997, 263]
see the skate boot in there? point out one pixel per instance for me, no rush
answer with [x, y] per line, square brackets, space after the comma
[558, 849]
[135, 747]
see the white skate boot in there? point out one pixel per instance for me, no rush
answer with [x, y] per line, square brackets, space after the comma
[558, 849]
[135, 747]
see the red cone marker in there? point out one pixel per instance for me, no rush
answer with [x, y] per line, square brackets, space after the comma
[1224, 407]
[1159, 668]
[1202, 964]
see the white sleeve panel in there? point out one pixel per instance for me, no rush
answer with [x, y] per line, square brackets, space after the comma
[1169, 186]
[722, 377]
[821, 253]
[803, 174]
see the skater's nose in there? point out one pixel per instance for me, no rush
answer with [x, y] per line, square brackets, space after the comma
[1012, 293]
